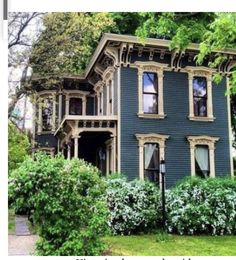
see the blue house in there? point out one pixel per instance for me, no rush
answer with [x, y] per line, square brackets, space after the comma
[135, 105]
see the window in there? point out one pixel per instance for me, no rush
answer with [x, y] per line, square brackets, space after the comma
[202, 155]
[202, 161]
[200, 93]
[200, 96]
[151, 162]
[47, 111]
[151, 152]
[150, 96]
[75, 106]
[150, 89]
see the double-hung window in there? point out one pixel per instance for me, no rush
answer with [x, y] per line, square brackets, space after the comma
[202, 168]
[150, 89]
[200, 93]
[150, 93]
[151, 161]
[202, 154]
[200, 96]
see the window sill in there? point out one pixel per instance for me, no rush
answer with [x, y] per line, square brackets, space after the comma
[151, 116]
[203, 119]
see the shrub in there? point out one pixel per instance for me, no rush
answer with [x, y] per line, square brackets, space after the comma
[18, 147]
[133, 206]
[66, 204]
[198, 206]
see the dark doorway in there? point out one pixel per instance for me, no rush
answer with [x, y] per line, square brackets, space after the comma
[92, 148]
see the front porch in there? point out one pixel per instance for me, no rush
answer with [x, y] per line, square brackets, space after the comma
[92, 138]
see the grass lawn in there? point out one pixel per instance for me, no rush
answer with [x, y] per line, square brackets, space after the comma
[11, 221]
[173, 245]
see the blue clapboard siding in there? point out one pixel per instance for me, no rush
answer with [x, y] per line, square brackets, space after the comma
[176, 124]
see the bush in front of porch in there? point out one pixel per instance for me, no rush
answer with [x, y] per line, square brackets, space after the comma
[65, 199]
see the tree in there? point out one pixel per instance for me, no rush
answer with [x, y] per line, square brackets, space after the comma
[68, 41]
[18, 147]
[20, 39]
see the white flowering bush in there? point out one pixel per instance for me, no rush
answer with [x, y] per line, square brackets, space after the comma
[197, 206]
[133, 206]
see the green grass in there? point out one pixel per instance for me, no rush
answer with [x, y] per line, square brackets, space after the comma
[172, 245]
[11, 221]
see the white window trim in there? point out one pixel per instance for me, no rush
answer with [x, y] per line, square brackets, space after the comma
[154, 67]
[150, 138]
[76, 94]
[206, 72]
[203, 140]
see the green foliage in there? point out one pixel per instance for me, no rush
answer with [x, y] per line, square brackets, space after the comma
[180, 28]
[68, 41]
[65, 200]
[133, 206]
[18, 147]
[197, 206]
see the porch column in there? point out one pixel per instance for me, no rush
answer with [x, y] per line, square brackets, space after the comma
[60, 108]
[68, 151]
[54, 113]
[76, 146]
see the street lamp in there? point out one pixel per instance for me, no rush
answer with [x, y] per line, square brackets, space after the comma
[163, 172]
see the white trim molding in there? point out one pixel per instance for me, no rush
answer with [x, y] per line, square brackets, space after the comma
[150, 138]
[158, 68]
[230, 129]
[203, 140]
[76, 94]
[200, 71]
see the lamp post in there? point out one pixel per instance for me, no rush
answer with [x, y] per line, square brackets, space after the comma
[163, 172]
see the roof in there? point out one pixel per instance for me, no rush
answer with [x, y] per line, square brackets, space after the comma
[149, 41]
[132, 39]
